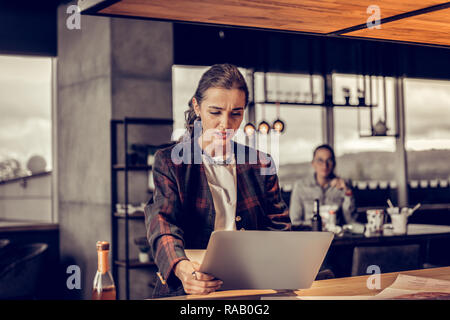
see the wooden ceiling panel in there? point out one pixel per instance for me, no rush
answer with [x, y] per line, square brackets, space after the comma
[315, 16]
[428, 28]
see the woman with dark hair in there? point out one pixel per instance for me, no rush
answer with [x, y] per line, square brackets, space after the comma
[324, 185]
[208, 182]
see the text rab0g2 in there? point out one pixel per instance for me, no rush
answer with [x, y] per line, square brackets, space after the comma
[229, 309]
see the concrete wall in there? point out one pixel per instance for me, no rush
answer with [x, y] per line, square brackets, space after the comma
[109, 69]
[83, 112]
[28, 199]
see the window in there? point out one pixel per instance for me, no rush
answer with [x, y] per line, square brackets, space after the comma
[427, 111]
[361, 158]
[25, 122]
[184, 81]
[303, 123]
[302, 134]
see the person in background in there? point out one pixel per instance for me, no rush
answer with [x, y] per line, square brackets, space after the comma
[324, 185]
[220, 192]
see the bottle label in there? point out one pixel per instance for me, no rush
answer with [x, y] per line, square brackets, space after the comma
[103, 265]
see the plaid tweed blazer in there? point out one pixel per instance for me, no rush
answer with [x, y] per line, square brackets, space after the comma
[181, 214]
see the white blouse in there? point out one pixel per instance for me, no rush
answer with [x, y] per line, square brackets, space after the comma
[222, 183]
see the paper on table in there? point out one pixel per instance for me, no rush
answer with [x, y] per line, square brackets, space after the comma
[404, 287]
[411, 287]
[334, 297]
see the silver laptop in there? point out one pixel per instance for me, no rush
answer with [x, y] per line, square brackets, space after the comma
[265, 259]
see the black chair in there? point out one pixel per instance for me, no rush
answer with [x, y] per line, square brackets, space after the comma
[387, 258]
[20, 270]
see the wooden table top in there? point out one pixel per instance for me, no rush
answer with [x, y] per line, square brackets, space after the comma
[351, 286]
[356, 286]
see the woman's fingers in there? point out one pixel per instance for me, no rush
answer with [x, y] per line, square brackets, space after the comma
[204, 283]
[338, 183]
[202, 276]
[199, 275]
[201, 287]
[210, 284]
[333, 183]
[194, 281]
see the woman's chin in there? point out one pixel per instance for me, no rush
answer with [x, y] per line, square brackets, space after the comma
[221, 141]
[323, 175]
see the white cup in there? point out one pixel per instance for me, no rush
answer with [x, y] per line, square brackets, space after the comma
[375, 221]
[325, 214]
[143, 257]
[399, 223]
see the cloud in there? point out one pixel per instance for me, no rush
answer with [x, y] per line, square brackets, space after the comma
[427, 144]
[25, 108]
[27, 99]
[427, 109]
[25, 69]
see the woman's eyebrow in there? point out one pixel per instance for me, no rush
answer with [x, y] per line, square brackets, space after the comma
[220, 108]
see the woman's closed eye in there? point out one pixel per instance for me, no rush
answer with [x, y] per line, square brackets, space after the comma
[237, 114]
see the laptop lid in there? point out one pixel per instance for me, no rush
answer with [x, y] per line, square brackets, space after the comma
[265, 259]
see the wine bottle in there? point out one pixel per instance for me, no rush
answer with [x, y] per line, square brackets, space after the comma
[316, 220]
[104, 288]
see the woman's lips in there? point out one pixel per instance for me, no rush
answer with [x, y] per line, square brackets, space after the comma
[222, 135]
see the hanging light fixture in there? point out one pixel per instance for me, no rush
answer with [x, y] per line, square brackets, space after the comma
[249, 129]
[278, 124]
[264, 127]
[380, 128]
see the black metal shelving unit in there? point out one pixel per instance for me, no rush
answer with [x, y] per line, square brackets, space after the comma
[125, 167]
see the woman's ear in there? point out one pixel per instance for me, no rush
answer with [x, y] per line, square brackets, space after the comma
[196, 106]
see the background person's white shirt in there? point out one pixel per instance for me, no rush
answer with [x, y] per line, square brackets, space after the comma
[222, 183]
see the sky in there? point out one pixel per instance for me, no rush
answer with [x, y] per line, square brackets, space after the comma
[25, 111]
[25, 108]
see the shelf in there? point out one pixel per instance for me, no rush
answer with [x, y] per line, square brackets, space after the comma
[134, 215]
[134, 264]
[317, 104]
[140, 167]
[135, 212]
[378, 135]
[144, 121]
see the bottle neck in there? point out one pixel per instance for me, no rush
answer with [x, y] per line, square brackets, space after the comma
[316, 207]
[103, 264]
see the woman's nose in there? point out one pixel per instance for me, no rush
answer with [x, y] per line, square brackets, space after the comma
[224, 122]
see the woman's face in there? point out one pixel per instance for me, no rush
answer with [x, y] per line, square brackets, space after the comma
[323, 163]
[221, 113]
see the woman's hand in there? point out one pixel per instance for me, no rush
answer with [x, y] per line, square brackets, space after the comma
[339, 184]
[195, 283]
